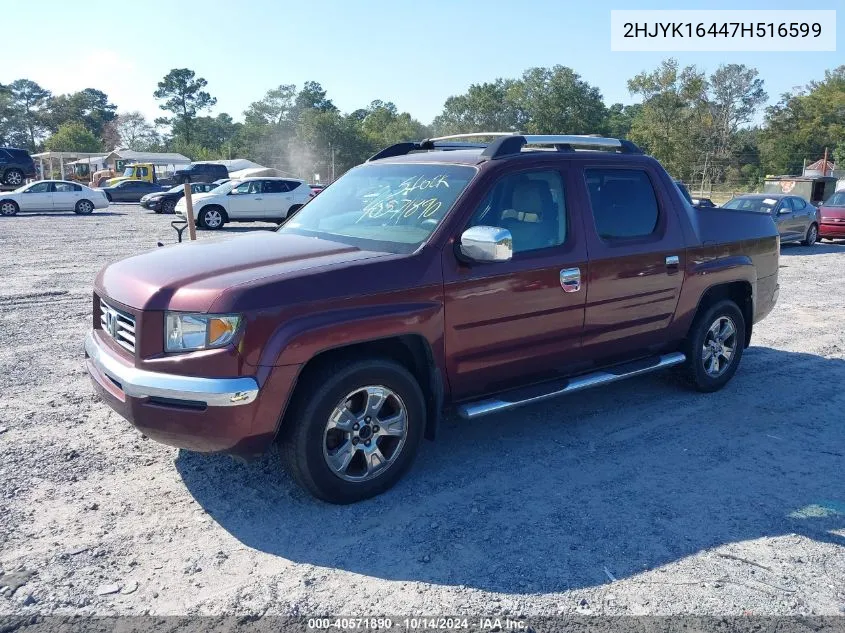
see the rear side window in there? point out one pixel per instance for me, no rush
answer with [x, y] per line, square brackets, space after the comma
[798, 204]
[66, 187]
[623, 201]
[292, 184]
[275, 186]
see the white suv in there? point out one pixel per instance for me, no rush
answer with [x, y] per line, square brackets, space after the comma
[248, 200]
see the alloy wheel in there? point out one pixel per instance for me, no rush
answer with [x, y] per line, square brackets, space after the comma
[7, 208]
[719, 346]
[212, 218]
[14, 178]
[365, 433]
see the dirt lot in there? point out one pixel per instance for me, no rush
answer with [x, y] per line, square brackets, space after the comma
[641, 498]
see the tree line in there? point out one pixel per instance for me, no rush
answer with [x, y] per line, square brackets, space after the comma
[703, 127]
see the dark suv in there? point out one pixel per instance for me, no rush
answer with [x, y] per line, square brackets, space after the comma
[16, 165]
[200, 172]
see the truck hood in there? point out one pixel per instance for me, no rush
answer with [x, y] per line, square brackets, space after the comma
[190, 276]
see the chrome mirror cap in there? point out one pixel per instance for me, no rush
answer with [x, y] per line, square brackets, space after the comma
[487, 244]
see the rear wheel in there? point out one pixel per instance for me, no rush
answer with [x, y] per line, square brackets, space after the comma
[168, 206]
[714, 346]
[211, 218]
[13, 178]
[8, 207]
[84, 207]
[812, 235]
[353, 429]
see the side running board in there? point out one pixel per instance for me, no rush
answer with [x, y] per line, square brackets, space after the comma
[538, 393]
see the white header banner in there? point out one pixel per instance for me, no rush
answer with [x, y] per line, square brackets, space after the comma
[723, 30]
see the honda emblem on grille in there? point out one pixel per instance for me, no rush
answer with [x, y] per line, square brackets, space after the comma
[111, 322]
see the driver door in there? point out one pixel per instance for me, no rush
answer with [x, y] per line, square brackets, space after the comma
[39, 197]
[518, 321]
[246, 200]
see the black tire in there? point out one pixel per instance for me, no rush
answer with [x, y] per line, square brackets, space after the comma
[207, 218]
[812, 235]
[168, 206]
[84, 207]
[292, 212]
[9, 208]
[303, 433]
[13, 177]
[699, 337]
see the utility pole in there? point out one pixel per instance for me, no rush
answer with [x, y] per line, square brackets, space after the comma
[703, 174]
[824, 164]
[331, 147]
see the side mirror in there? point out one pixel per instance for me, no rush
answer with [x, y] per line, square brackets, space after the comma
[783, 211]
[486, 244]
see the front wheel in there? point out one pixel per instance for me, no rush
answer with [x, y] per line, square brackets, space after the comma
[211, 218]
[714, 346]
[168, 206]
[812, 236]
[84, 207]
[353, 429]
[9, 207]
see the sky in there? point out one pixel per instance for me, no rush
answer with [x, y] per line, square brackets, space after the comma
[415, 54]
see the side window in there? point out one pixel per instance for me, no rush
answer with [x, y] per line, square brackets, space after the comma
[274, 186]
[530, 205]
[623, 202]
[292, 184]
[798, 204]
[786, 205]
[242, 188]
[65, 187]
[41, 187]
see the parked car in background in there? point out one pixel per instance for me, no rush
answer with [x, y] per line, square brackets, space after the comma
[832, 217]
[165, 201]
[797, 220]
[200, 172]
[16, 165]
[52, 195]
[130, 190]
[703, 203]
[317, 188]
[421, 281]
[249, 200]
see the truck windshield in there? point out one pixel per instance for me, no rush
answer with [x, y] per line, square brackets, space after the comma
[388, 207]
[129, 172]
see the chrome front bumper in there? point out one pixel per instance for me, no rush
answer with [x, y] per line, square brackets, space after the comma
[138, 383]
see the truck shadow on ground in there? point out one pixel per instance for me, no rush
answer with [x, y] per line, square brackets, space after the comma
[545, 498]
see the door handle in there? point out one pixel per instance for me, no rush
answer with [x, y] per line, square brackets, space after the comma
[673, 263]
[259, 198]
[570, 279]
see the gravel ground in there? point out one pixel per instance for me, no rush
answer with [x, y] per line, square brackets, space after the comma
[641, 498]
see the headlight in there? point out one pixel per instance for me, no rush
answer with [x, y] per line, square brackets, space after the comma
[184, 331]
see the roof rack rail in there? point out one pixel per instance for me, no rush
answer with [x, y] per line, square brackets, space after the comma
[510, 143]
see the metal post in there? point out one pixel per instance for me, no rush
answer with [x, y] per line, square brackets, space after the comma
[189, 212]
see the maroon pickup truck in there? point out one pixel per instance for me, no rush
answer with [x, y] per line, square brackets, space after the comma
[446, 274]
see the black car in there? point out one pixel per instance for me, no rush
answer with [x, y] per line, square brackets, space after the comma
[165, 201]
[201, 172]
[16, 165]
[130, 190]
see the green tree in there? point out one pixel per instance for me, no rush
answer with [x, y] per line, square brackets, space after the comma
[184, 96]
[73, 137]
[620, 118]
[557, 101]
[487, 107]
[28, 111]
[90, 107]
[803, 123]
[275, 108]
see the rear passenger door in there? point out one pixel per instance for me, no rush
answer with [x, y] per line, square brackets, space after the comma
[788, 222]
[517, 321]
[276, 200]
[636, 261]
[805, 215]
[66, 195]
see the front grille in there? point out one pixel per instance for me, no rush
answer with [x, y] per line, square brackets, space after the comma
[119, 325]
